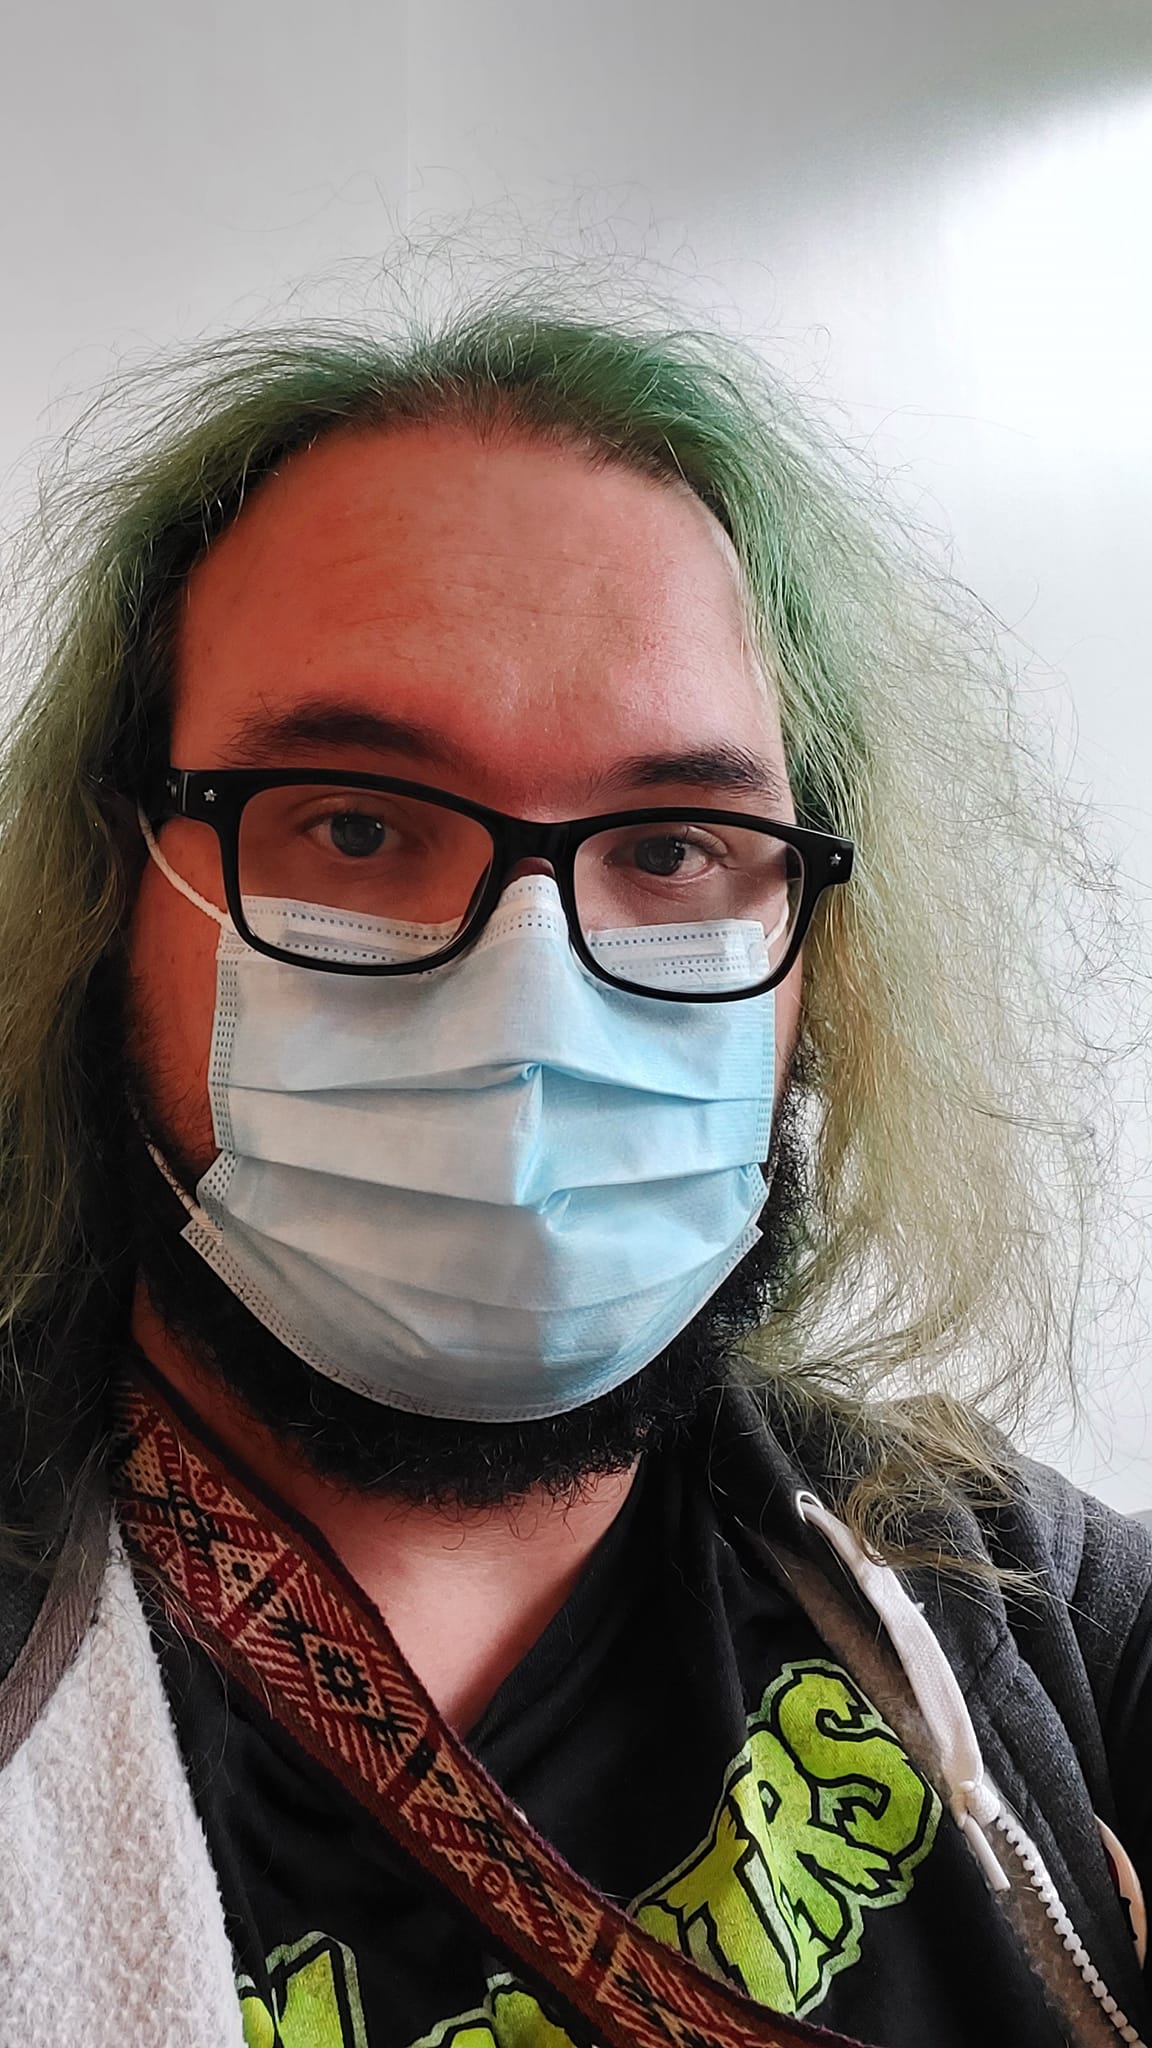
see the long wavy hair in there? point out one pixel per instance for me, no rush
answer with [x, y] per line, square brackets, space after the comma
[952, 1161]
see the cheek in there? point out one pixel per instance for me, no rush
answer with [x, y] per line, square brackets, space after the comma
[787, 1023]
[172, 1000]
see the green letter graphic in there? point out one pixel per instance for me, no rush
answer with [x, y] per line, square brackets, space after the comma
[822, 1815]
[316, 1995]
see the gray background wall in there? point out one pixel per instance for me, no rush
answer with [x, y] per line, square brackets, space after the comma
[939, 213]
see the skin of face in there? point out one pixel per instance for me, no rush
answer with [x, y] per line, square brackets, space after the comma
[542, 620]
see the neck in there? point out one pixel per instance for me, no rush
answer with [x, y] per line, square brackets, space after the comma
[465, 1591]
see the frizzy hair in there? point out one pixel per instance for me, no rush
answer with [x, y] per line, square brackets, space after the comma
[952, 1164]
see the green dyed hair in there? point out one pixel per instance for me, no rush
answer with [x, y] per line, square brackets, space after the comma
[951, 1169]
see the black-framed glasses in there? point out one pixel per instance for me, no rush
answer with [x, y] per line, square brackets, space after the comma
[371, 874]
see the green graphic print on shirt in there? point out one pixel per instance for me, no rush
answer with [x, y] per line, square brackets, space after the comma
[316, 1996]
[822, 1818]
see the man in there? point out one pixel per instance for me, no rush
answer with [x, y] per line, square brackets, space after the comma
[464, 1131]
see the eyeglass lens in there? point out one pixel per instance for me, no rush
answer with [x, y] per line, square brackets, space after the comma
[388, 878]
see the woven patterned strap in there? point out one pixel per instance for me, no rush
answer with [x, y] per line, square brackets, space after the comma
[285, 1620]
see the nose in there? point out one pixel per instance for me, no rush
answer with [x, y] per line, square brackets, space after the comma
[530, 867]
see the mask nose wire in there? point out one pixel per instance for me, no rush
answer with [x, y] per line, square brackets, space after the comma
[519, 872]
[522, 870]
[183, 888]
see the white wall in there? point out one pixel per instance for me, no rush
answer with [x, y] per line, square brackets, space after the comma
[940, 211]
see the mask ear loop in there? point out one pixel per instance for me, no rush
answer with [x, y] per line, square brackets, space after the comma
[225, 923]
[188, 1203]
[183, 888]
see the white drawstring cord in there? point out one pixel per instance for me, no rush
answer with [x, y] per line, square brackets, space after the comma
[973, 1798]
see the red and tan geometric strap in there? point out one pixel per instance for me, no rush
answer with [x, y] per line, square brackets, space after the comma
[280, 1615]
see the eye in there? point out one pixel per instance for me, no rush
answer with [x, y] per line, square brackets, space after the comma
[356, 834]
[659, 856]
[667, 854]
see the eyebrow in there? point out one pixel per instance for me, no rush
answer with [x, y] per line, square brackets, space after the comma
[264, 740]
[733, 770]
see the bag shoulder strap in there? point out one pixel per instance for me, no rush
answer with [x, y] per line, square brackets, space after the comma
[278, 1612]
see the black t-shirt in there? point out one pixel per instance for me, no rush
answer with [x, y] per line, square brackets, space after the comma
[686, 1742]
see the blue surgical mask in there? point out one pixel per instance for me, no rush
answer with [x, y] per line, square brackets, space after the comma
[493, 1191]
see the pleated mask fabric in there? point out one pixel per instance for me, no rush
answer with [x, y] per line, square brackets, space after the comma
[493, 1191]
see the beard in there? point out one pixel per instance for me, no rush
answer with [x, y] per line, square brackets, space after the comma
[428, 1460]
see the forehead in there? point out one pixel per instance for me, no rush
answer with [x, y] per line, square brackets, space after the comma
[546, 614]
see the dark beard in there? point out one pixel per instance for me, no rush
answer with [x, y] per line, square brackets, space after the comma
[425, 1459]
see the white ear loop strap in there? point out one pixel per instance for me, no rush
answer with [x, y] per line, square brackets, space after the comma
[183, 888]
[158, 1160]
